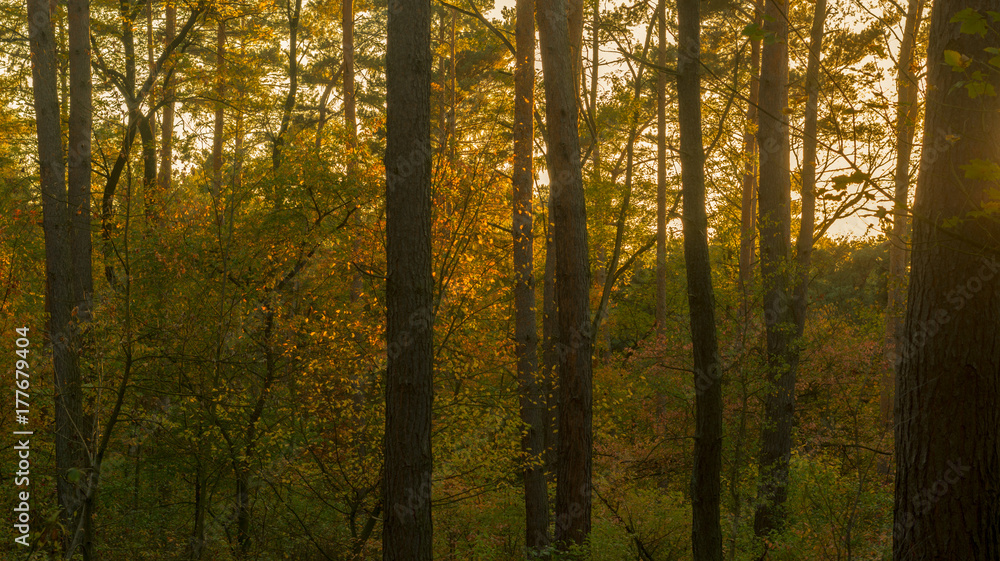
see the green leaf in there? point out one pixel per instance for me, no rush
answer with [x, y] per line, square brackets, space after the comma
[994, 16]
[972, 22]
[956, 61]
[981, 169]
[74, 475]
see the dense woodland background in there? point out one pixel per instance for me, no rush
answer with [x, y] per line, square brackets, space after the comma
[212, 265]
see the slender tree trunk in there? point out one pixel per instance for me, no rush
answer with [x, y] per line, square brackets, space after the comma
[550, 340]
[947, 499]
[661, 172]
[61, 285]
[167, 129]
[351, 123]
[775, 233]
[706, 532]
[907, 108]
[804, 242]
[573, 487]
[406, 493]
[595, 65]
[748, 207]
[220, 92]
[293, 84]
[533, 402]
[79, 163]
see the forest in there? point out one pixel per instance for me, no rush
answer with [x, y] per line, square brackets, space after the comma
[543, 279]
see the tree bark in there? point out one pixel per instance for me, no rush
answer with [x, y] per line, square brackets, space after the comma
[167, 129]
[804, 242]
[550, 340]
[748, 207]
[293, 84]
[407, 529]
[706, 532]
[61, 293]
[79, 161]
[532, 396]
[775, 233]
[220, 115]
[907, 108]
[947, 498]
[661, 172]
[573, 486]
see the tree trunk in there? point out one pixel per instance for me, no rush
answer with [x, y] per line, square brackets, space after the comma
[293, 84]
[167, 129]
[706, 532]
[532, 394]
[406, 493]
[775, 234]
[748, 207]
[804, 243]
[907, 108]
[947, 500]
[220, 92]
[573, 487]
[661, 172]
[550, 339]
[79, 162]
[61, 292]
[351, 123]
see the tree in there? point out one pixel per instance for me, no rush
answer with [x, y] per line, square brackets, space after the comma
[572, 283]
[661, 170]
[706, 533]
[774, 226]
[907, 107]
[63, 292]
[947, 498]
[532, 395]
[406, 491]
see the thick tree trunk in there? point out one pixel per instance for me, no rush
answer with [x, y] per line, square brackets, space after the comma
[406, 489]
[573, 486]
[61, 285]
[706, 532]
[748, 206]
[907, 108]
[947, 500]
[550, 340]
[775, 233]
[661, 171]
[533, 399]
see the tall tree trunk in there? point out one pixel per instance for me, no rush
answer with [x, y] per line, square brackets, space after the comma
[351, 123]
[533, 403]
[804, 242]
[661, 171]
[947, 499]
[748, 207]
[61, 293]
[775, 233]
[79, 163]
[573, 486]
[167, 129]
[220, 116]
[550, 340]
[293, 84]
[907, 108]
[406, 493]
[595, 65]
[706, 532]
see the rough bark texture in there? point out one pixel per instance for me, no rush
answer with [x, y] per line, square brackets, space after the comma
[573, 486]
[907, 108]
[60, 295]
[406, 491]
[775, 227]
[550, 339]
[661, 171]
[706, 532]
[947, 500]
[533, 399]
